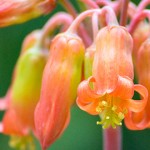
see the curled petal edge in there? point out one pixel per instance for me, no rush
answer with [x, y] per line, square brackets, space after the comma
[85, 93]
[135, 107]
[132, 125]
[124, 88]
[87, 98]
[138, 105]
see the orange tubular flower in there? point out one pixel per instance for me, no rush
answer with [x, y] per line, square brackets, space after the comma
[112, 89]
[143, 71]
[61, 77]
[18, 11]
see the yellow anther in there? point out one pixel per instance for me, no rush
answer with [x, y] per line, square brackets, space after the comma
[121, 115]
[107, 117]
[98, 109]
[120, 123]
[125, 111]
[104, 103]
[114, 108]
[98, 122]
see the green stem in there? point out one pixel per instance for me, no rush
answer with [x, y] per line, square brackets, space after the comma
[112, 138]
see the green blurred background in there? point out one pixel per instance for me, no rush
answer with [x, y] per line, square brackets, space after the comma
[82, 133]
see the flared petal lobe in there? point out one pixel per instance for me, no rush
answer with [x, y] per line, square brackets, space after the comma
[61, 77]
[136, 118]
[112, 57]
[11, 124]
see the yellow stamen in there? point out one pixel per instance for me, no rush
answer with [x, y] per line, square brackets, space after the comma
[104, 103]
[22, 142]
[121, 115]
[98, 109]
[110, 114]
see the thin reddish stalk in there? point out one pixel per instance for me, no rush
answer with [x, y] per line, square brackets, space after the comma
[112, 139]
[142, 5]
[67, 5]
[81, 17]
[95, 25]
[90, 3]
[110, 17]
[82, 31]
[58, 19]
[115, 4]
[124, 10]
[137, 19]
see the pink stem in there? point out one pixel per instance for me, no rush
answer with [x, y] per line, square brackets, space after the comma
[95, 25]
[83, 33]
[58, 19]
[67, 5]
[80, 18]
[110, 17]
[112, 139]
[137, 19]
[1, 127]
[3, 104]
[115, 5]
[131, 10]
[90, 3]
[124, 11]
[142, 5]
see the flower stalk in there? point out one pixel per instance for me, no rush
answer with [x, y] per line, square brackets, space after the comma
[124, 10]
[112, 138]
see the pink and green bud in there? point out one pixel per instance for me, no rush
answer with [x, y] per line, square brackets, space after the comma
[61, 77]
[25, 89]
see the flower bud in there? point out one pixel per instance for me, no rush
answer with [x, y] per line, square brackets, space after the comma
[18, 11]
[25, 91]
[61, 77]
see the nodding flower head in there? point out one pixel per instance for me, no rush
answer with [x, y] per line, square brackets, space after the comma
[18, 11]
[109, 91]
[61, 77]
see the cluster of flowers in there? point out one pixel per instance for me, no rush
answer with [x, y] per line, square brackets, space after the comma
[98, 74]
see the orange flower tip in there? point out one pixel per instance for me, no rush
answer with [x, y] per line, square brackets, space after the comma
[110, 115]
